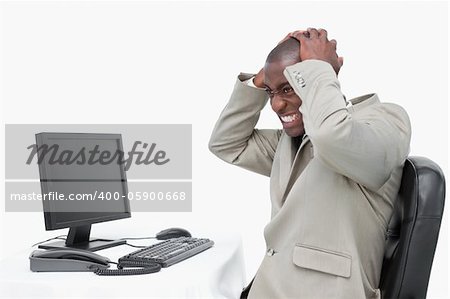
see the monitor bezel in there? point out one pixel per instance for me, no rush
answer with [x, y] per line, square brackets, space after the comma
[50, 221]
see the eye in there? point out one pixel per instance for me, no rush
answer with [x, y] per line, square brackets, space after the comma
[287, 89]
[269, 92]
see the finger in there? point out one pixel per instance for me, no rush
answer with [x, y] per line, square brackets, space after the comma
[297, 33]
[313, 33]
[341, 61]
[334, 43]
[293, 33]
[300, 34]
[323, 34]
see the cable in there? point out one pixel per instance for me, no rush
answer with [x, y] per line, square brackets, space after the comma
[137, 246]
[60, 237]
[138, 238]
[142, 238]
[143, 268]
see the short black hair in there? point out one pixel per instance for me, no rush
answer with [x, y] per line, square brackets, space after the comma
[288, 49]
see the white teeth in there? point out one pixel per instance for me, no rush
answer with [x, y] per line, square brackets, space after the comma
[288, 118]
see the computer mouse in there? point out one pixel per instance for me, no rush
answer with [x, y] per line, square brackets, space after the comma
[174, 232]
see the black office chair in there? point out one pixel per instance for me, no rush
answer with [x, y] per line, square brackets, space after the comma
[413, 231]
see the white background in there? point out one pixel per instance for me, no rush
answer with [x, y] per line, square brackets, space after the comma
[141, 62]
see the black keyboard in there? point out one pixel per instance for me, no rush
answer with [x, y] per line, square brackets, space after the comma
[169, 252]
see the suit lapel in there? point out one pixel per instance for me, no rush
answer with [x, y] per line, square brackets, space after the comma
[298, 162]
[286, 159]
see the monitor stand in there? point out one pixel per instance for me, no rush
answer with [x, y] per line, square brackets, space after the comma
[78, 238]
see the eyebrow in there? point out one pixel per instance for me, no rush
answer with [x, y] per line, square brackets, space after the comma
[279, 86]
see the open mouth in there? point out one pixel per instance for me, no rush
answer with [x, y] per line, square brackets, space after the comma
[289, 118]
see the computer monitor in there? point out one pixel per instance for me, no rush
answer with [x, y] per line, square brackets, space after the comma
[83, 181]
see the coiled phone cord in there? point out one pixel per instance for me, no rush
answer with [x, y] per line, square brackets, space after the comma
[144, 268]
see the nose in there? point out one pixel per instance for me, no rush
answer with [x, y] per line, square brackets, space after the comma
[278, 103]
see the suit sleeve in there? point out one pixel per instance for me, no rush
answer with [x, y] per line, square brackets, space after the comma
[235, 139]
[365, 149]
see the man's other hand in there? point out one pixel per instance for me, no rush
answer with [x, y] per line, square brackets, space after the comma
[259, 79]
[314, 44]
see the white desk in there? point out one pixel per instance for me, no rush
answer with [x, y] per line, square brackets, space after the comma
[215, 273]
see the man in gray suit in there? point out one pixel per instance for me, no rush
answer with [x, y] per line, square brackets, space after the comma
[335, 170]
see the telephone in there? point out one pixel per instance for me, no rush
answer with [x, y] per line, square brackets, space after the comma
[66, 260]
[77, 260]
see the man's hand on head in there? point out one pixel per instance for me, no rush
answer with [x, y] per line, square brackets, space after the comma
[259, 79]
[314, 44]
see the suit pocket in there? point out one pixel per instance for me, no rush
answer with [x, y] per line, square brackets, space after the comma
[322, 260]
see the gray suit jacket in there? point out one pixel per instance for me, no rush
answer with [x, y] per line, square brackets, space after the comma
[332, 197]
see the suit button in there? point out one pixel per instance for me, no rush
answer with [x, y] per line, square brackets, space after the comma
[270, 252]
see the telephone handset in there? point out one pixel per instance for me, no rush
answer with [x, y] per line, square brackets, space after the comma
[77, 260]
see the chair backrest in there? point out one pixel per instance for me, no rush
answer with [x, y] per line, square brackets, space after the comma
[413, 230]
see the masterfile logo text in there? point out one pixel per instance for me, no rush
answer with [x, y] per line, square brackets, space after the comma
[157, 159]
[148, 155]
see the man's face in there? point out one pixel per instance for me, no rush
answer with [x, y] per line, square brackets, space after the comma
[284, 101]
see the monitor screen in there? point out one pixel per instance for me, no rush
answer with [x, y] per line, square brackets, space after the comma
[83, 179]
